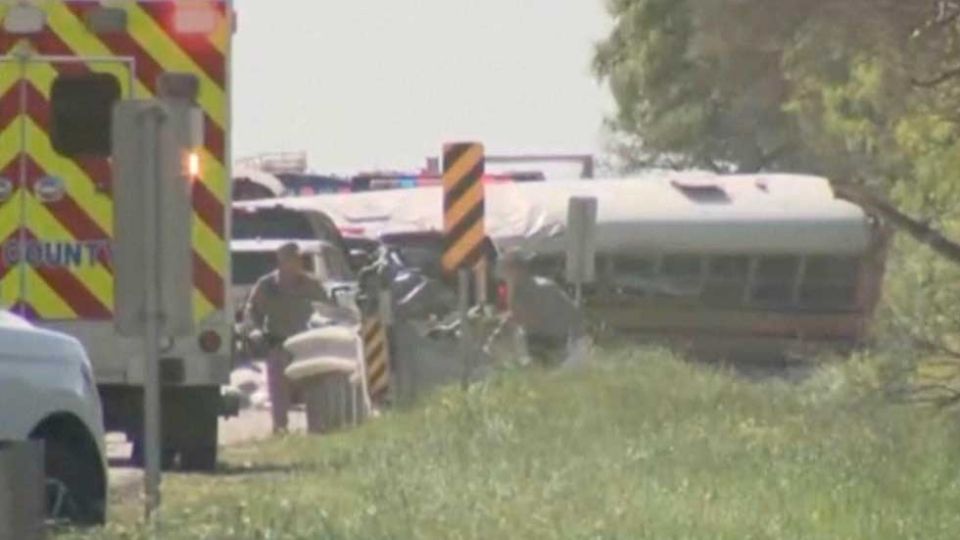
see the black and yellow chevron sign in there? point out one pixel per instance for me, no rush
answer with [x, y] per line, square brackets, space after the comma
[463, 205]
[376, 355]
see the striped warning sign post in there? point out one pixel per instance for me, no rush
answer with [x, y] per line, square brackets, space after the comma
[376, 356]
[463, 205]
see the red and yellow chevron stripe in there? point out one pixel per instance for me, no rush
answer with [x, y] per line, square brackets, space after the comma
[84, 215]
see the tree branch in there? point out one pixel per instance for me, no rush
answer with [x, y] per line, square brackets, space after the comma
[769, 157]
[930, 346]
[918, 230]
[948, 396]
[938, 80]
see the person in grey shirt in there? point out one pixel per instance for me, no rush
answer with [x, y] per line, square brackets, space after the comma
[550, 319]
[280, 306]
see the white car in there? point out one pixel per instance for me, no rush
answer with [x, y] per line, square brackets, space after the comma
[48, 393]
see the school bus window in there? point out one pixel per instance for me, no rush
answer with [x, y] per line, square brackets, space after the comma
[775, 280]
[830, 282]
[726, 280]
[636, 266]
[81, 114]
[681, 275]
[682, 265]
[634, 273]
[838, 269]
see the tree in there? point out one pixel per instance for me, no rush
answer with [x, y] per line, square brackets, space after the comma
[866, 92]
[764, 84]
[694, 80]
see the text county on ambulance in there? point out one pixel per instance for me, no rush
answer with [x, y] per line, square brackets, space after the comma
[55, 254]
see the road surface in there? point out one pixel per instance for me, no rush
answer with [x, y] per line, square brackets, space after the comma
[252, 425]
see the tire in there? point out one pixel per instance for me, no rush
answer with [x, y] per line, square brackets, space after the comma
[138, 458]
[76, 487]
[191, 427]
[199, 458]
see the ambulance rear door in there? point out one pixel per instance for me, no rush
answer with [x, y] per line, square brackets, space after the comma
[56, 211]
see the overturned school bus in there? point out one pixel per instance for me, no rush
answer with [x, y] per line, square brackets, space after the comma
[738, 266]
[743, 266]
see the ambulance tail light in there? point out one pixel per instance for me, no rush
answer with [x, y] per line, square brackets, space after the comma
[195, 18]
[210, 342]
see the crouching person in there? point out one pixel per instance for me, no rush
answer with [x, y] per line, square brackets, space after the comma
[553, 325]
[280, 306]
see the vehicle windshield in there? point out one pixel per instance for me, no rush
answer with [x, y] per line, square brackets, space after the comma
[249, 266]
[271, 224]
[335, 265]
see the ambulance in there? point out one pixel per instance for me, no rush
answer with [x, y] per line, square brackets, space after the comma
[64, 64]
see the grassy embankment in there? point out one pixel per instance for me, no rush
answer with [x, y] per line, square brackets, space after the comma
[641, 446]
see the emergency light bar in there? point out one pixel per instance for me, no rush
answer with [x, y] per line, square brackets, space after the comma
[394, 183]
[388, 182]
[24, 19]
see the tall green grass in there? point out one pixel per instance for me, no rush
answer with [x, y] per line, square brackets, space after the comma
[639, 446]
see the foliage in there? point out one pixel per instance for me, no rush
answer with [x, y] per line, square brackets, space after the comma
[857, 90]
[773, 84]
[641, 446]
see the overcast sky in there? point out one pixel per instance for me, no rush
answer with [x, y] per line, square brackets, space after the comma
[363, 84]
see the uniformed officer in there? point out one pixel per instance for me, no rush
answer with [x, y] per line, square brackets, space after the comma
[280, 306]
[550, 319]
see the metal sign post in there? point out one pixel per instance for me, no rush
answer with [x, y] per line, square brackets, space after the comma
[375, 334]
[463, 206]
[153, 208]
[464, 228]
[581, 243]
[481, 273]
[463, 290]
[151, 336]
[22, 490]
[385, 305]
